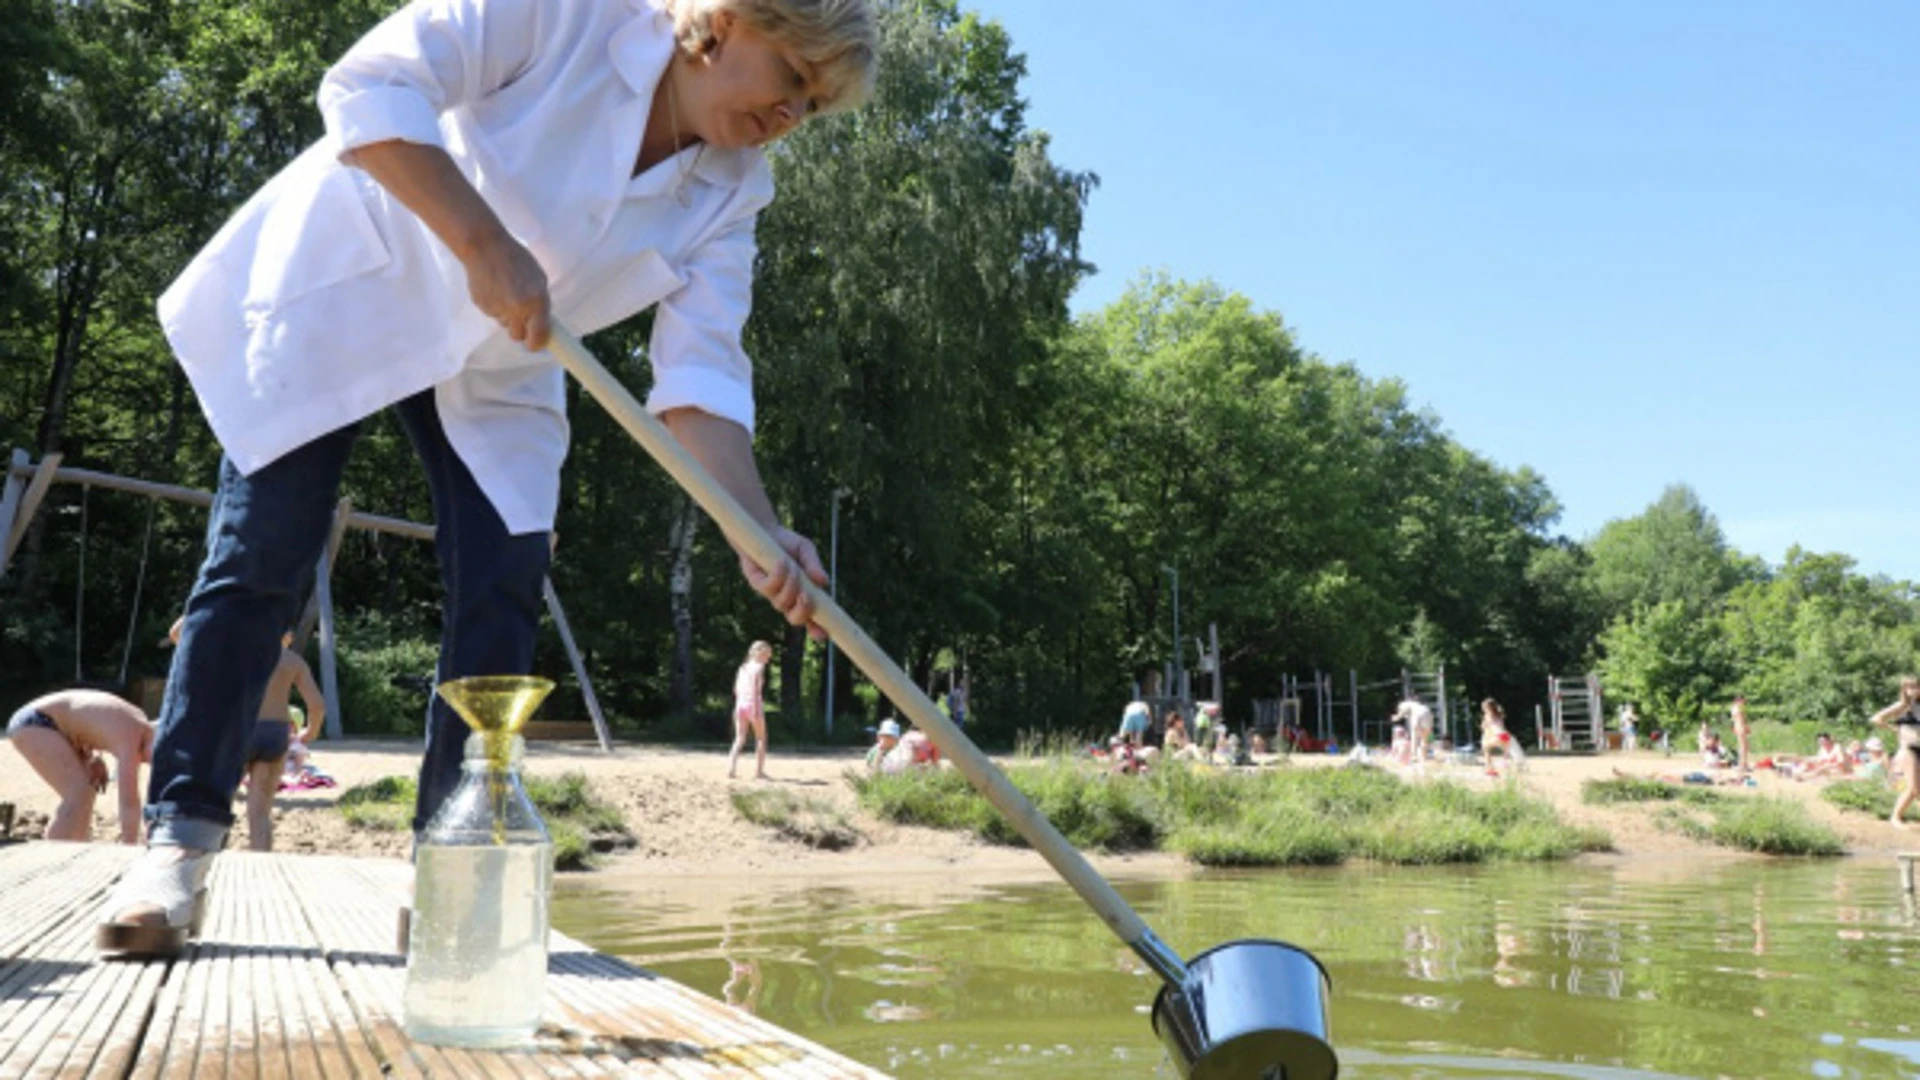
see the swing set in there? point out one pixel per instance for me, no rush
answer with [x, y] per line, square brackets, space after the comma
[25, 488]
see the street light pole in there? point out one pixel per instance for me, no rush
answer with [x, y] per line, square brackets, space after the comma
[833, 590]
[1179, 661]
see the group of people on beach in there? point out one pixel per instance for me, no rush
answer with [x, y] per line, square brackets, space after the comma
[1136, 746]
[69, 735]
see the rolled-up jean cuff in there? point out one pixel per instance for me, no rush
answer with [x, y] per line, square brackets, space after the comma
[173, 830]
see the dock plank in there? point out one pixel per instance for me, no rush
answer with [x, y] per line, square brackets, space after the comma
[295, 975]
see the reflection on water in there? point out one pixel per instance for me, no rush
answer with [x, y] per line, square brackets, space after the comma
[1611, 968]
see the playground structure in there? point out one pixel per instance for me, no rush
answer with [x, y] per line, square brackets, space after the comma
[1576, 719]
[24, 490]
[1174, 673]
[1314, 707]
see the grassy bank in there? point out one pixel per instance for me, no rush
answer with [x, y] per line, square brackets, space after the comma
[1770, 826]
[1270, 817]
[1867, 797]
[580, 823]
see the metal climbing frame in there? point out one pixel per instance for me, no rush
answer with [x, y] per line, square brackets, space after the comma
[1577, 714]
[1323, 721]
[1430, 689]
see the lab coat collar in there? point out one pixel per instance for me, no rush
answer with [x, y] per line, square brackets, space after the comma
[639, 52]
[640, 48]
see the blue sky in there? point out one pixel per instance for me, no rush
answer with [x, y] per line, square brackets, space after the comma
[1628, 244]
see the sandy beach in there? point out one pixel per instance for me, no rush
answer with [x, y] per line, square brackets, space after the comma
[675, 801]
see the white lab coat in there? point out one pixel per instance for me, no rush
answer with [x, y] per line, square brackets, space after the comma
[323, 299]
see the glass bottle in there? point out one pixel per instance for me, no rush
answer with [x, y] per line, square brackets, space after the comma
[477, 950]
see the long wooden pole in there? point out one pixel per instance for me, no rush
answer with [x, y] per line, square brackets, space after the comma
[747, 535]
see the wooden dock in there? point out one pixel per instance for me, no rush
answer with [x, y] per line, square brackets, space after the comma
[295, 975]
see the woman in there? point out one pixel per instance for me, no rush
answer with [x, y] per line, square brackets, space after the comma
[1903, 717]
[749, 711]
[1135, 719]
[487, 166]
[1175, 739]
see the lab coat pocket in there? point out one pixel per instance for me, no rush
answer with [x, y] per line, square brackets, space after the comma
[317, 232]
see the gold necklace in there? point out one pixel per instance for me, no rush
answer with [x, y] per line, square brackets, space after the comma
[681, 168]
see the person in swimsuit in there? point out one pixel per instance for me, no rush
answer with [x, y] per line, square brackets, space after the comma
[1495, 736]
[1903, 717]
[273, 734]
[748, 712]
[273, 737]
[63, 736]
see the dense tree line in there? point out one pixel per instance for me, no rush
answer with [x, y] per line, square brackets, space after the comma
[1017, 482]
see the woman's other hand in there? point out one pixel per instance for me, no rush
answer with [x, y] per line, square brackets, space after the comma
[782, 584]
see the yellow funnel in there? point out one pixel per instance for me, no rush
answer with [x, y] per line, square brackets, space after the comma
[496, 706]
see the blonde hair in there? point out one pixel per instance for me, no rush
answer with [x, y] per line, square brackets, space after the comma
[840, 39]
[759, 647]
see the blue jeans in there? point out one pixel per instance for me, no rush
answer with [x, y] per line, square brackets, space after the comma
[264, 537]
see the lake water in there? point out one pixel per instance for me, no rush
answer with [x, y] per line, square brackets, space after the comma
[1643, 967]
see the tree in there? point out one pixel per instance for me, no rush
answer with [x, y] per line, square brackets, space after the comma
[1669, 661]
[1673, 551]
[1818, 642]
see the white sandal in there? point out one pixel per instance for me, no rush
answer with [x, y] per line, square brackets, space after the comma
[168, 879]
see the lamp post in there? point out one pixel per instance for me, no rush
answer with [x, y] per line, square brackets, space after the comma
[833, 590]
[1179, 661]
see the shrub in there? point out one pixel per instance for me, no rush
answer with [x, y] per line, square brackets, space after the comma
[372, 650]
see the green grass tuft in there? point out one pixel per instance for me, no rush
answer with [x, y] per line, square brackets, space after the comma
[1767, 825]
[803, 818]
[1773, 826]
[579, 822]
[383, 805]
[1868, 797]
[1629, 789]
